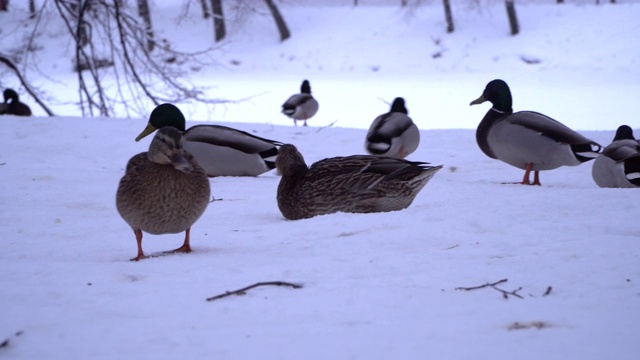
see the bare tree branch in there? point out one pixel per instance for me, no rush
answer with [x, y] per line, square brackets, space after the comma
[244, 289]
[505, 294]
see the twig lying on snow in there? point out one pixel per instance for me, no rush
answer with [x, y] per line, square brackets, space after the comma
[482, 286]
[505, 294]
[530, 325]
[244, 289]
[326, 126]
[548, 291]
[5, 343]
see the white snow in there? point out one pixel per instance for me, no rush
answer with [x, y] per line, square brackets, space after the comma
[375, 286]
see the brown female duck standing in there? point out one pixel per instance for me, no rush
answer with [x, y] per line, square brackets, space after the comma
[163, 191]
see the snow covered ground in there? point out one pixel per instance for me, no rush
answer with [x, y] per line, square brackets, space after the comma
[375, 286]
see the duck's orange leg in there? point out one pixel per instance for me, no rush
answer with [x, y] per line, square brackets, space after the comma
[141, 254]
[527, 171]
[536, 178]
[186, 247]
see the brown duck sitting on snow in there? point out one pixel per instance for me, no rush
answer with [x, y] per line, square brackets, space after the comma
[163, 191]
[355, 184]
[12, 104]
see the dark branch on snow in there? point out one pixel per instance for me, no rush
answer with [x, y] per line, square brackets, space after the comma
[244, 289]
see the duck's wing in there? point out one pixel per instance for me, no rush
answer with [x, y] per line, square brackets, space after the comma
[388, 126]
[548, 127]
[621, 150]
[141, 159]
[296, 100]
[225, 136]
[362, 172]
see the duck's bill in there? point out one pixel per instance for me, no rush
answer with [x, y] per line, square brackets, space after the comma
[179, 162]
[148, 130]
[479, 100]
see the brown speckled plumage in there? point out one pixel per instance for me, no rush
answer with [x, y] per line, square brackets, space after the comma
[357, 184]
[164, 190]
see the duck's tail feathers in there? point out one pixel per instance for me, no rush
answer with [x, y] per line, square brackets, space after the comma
[586, 152]
[632, 170]
[269, 157]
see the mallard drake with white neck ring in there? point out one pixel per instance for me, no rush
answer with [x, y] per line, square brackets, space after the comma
[528, 140]
[220, 150]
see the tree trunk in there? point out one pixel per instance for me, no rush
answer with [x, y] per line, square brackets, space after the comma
[4, 5]
[145, 14]
[513, 19]
[205, 9]
[282, 26]
[32, 9]
[448, 16]
[218, 20]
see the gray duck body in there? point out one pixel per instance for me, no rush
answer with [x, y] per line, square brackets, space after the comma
[219, 150]
[164, 190]
[302, 106]
[619, 164]
[393, 134]
[355, 184]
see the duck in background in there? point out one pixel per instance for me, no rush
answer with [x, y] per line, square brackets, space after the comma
[302, 106]
[393, 134]
[220, 150]
[528, 140]
[619, 164]
[354, 184]
[163, 191]
[12, 104]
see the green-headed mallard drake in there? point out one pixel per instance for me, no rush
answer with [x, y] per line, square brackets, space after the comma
[12, 104]
[301, 106]
[163, 191]
[619, 164]
[220, 150]
[355, 184]
[393, 134]
[528, 140]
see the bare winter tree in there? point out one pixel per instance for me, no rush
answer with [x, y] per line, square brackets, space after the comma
[145, 14]
[218, 20]
[448, 15]
[511, 14]
[114, 64]
[205, 9]
[32, 9]
[280, 24]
